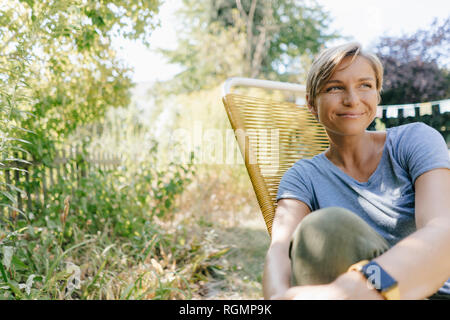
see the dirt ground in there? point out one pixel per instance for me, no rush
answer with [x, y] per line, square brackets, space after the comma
[248, 241]
[222, 203]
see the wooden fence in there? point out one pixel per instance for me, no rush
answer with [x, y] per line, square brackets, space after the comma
[69, 164]
[435, 114]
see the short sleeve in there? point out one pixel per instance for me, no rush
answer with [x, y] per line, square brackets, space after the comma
[421, 149]
[293, 185]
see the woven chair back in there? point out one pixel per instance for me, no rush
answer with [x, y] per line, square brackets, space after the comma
[272, 136]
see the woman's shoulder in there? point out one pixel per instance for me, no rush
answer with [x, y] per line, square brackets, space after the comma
[413, 133]
[305, 163]
[413, 127]
[417, 143]
[304, 166]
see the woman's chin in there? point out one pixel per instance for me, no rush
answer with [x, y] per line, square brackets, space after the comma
[347, 130]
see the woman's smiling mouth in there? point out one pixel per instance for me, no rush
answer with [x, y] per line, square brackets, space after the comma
[351, 115]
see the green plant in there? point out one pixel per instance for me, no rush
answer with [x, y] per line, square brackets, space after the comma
[91, 230]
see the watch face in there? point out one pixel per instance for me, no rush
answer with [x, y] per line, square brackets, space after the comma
[379, 278]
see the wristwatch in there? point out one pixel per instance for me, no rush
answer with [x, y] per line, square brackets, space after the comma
[378, 279]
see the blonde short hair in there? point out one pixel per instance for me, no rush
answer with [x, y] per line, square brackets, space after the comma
[325, 64]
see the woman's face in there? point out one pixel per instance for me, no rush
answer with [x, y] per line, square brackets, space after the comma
[347, 103]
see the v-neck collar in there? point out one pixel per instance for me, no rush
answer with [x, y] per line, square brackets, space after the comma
[342, 173]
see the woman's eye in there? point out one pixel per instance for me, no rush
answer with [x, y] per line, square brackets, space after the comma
[366, 85]
[334, 88]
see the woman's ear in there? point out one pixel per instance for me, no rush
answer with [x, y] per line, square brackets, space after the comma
[311, 107]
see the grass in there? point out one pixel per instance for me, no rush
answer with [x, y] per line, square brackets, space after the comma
[243, 276]
[233, 216]
[109, 242]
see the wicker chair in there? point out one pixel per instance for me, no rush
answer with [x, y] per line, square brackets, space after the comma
[272, 136]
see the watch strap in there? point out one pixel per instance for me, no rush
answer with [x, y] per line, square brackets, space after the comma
[387, 285]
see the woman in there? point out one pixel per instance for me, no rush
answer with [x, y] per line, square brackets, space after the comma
[369, 218]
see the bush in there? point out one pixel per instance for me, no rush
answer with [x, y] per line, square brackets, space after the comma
[83, 238]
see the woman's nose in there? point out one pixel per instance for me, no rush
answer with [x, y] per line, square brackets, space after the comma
[350, 98]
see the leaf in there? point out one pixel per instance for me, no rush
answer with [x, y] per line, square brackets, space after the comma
[9, 196]
[20, 149]
[29, 2]
[16, 139]
[96, 276]
[128, 291]
[4, 276]
[219, 253]
[18, 263]
[29, 283]
[14, 188]
[7, 256]
[14, 286]
[73, 282]
[58, 259]
[24, 130]
[18, 160]
[15, 209]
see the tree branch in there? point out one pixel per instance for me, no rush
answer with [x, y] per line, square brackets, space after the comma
[241, 9]
[259, 52]
[249, 25]
[251, 13]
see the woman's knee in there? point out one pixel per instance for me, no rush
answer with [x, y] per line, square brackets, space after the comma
[329, 240]
[318, 222]
[334, 229]
[328, 220]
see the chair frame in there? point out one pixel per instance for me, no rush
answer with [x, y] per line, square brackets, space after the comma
[260, 186]
[264, 84]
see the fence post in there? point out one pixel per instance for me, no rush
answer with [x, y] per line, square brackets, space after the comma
[17, 182]
[51, 169]
[27, 179]
[8, 182]
[58, 161]
[78, 165]
[72, 158]
[44, 186]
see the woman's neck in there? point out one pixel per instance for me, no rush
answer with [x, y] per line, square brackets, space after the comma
[353, 152]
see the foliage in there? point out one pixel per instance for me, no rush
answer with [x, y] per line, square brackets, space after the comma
[101, 240]
[415, 65]
[58, 70]
[58, 66]
[268, 39]
[278, 32]
[114, 237]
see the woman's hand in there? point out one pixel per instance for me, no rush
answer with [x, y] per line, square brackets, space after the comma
[317, 292]
[348, 286]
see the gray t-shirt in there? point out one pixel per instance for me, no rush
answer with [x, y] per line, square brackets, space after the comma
[386, 200]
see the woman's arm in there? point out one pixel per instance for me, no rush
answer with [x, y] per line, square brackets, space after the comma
[277, 268]
[420, 263]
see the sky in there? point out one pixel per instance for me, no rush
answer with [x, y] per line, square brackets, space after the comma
[363, 21]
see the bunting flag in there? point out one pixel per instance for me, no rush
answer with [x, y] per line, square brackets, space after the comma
[392, 112]
[425, 108]
[409, 110]
[445, 106]
[379, 112]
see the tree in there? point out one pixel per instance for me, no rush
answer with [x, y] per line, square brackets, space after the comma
[415, 65]
[278, 32]
[260, 39]
[59, 69]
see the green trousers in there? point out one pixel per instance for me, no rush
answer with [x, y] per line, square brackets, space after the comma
[328, 241]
